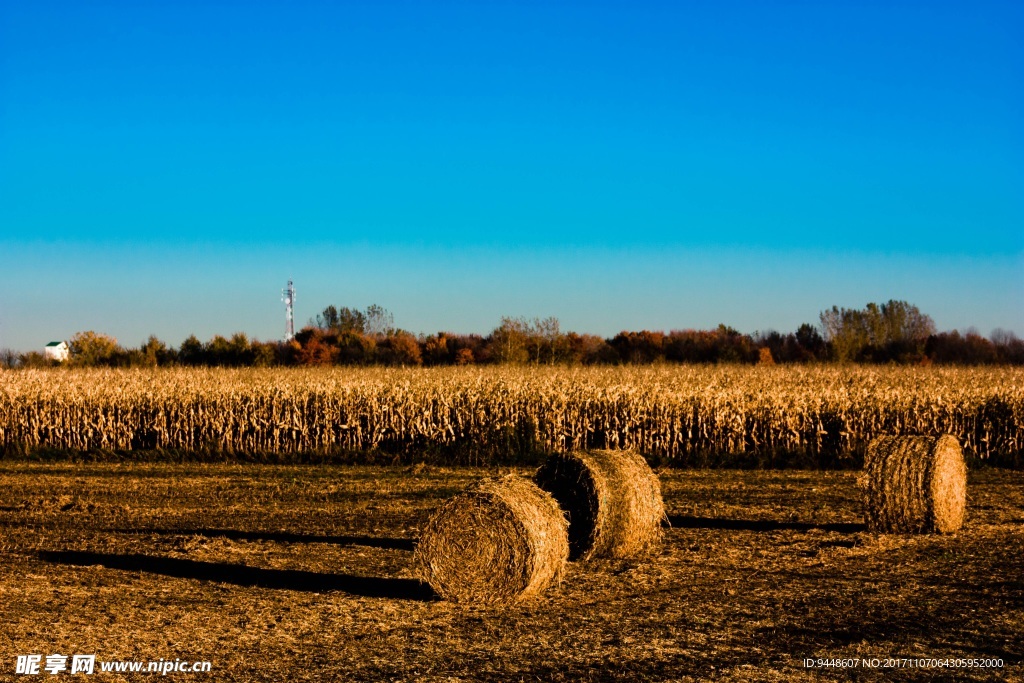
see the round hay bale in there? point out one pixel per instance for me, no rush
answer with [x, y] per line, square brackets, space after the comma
[612, 499]
[501, 540]
[915, 484]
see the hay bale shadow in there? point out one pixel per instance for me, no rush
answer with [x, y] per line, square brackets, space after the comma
[242, 575]
[688, 522]
[281, 537]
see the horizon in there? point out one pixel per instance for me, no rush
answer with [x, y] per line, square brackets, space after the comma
[166, 170]
[311, 323]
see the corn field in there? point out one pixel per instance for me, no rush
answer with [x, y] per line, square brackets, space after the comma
[678, 415]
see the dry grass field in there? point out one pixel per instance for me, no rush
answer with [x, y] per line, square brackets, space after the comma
[304, 573]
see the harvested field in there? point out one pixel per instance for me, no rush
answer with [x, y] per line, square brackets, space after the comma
[293, 573]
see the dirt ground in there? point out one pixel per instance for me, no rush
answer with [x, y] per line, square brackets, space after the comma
[276, 573]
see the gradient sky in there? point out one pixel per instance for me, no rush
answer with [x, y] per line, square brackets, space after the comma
[165, 168]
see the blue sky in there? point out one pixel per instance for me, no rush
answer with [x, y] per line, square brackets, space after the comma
[166, 167]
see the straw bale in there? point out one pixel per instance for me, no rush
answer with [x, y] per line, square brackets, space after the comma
[612, 500]
[502, 540]
[914, 484]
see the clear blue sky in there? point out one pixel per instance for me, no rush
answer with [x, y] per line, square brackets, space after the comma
[166, 167]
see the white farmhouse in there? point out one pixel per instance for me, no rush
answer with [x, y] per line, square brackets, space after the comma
[57, 350]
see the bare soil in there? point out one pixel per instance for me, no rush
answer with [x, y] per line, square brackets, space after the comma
[304, 573]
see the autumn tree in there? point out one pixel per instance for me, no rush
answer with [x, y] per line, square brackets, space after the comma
[399, 348]
[509, 341]
[379, 321]
[92, 348]
[896, 330]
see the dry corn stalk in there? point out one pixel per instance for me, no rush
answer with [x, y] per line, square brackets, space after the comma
[678, 414]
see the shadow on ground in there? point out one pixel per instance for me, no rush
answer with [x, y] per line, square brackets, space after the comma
[281, 537]
[242, 575]
[384, 543]
[687, 522]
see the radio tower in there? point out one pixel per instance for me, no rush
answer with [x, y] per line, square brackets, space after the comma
[288, 297]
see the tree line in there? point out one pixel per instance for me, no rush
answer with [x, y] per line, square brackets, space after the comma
[893, 332]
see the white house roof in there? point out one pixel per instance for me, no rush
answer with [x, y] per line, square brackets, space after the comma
[57, 343]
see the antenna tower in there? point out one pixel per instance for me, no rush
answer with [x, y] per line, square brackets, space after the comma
[288, 297]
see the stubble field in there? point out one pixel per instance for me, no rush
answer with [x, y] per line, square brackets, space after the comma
[304, 573]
